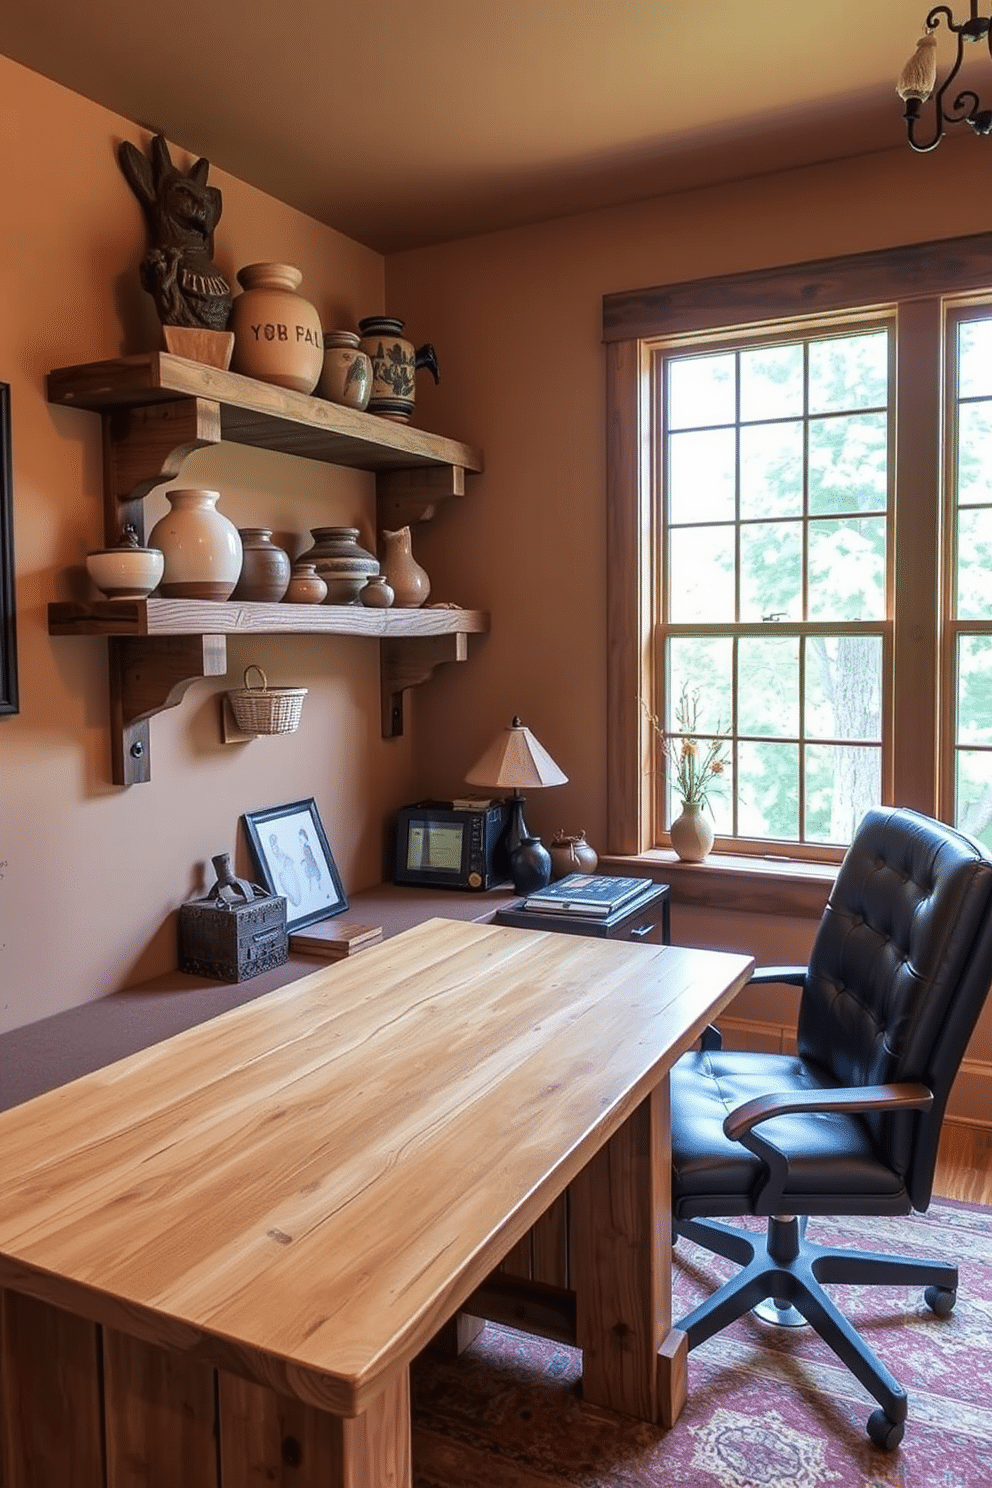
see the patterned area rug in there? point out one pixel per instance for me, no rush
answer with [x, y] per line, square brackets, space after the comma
[767, 1406]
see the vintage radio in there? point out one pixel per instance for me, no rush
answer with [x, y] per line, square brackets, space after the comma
[452, 844]
[236, 932]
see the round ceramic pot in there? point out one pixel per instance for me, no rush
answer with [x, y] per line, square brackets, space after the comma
[692, 834]
[125, 572]
[306, 586]
[394, 366]
[265, 568]
[277, 333]
[377, 593]
[346, 376]
[341, 562]
[408, 581]
[572, 854]
[201, 548]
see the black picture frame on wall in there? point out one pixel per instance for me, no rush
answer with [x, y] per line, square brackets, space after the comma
[292, 857]
[8, 622]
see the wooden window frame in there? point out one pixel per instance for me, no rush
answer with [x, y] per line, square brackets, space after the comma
[916, 281]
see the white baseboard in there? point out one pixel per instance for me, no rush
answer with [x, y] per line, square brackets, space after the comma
[971, 1096]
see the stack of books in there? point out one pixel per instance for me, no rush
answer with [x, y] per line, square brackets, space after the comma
[587, 895]
[333, 939]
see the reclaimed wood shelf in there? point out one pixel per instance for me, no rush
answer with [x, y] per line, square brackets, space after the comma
[157, 409]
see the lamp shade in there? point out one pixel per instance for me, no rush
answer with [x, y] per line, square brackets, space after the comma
[515, 761]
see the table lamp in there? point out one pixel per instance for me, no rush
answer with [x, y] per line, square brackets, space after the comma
[517, 762]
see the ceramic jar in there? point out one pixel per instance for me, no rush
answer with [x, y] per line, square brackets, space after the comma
[394, 365]
[306, 586]
[265, 568]
[572, 854]
[406, 578]
[692, 833]
[346, 376]
[128, 571]
[277, 333]
[377, 593]
[201, 548]
[341, 562]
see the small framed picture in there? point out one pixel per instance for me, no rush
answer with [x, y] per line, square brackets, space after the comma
[292, 857]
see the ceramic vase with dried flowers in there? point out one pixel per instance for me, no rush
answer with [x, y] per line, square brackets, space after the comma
[696, 767]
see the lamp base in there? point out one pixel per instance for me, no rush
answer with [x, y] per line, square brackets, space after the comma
[530, 866]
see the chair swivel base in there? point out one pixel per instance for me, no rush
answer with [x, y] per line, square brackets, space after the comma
[789, 1269]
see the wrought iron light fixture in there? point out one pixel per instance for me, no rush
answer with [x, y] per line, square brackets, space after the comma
[918, 78]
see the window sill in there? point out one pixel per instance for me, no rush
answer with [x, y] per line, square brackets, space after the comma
[735, 882]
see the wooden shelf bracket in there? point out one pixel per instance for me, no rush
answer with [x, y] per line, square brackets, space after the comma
[407, 664]
[147, 675]
[145, 447]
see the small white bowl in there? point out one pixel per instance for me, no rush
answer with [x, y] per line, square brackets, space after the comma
[125, 572]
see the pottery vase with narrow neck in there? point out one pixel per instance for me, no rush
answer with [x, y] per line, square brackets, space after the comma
[343, 564]
[277, 333]
[395, 363]
[202, 549]
[692, 833]
[265, 568]
[404, 575]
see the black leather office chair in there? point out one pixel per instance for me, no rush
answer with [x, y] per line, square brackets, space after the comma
[898, 974]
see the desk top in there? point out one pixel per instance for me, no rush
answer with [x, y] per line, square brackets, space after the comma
[305, 1188]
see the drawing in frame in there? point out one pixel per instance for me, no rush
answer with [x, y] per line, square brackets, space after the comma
[292, 856]
[8, 623]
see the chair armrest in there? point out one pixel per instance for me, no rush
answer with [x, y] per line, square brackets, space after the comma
[738, 1125]
[794, 976]
[849, 1098]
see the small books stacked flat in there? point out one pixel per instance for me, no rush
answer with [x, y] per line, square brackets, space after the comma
[594, 896]
[333, 939]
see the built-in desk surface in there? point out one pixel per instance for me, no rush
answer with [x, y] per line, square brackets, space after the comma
[299, 1193]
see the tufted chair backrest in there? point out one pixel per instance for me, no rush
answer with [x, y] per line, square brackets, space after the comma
[899, 973]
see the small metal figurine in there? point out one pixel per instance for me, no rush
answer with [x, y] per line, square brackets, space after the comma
[182, 212]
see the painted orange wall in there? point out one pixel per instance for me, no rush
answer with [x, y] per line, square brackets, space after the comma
[90, 875]
[516, 318]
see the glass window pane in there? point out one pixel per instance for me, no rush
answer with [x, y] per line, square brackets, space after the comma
[842, 782]
[768, 790]
[974, 589]
[701, 391]
[974, 453]
[975, 359]
[848, 464]
[702, 476]
[768, 685]
[849, 372]
[772, 382]
[701, 574]
[771, 571]
[973, 794]
[844, 687]
[772, 470]
[704, 662]
[847, 569]
[974, 700]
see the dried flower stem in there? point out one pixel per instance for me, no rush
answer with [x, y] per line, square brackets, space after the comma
[695, 766]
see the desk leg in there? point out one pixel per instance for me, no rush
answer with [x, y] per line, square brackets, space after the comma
[271, 1438]
[621, 1258]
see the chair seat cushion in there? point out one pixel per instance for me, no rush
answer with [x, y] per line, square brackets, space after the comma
[833, 1165]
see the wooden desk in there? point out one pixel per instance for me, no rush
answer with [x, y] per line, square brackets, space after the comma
[268, 1216]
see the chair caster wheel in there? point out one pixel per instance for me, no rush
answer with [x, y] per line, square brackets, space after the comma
[940, 1300]
[883, 1432]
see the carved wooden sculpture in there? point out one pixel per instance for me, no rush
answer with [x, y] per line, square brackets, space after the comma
[182, 212]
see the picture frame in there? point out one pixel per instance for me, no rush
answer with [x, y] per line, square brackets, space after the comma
[292, 857]
[8, 625]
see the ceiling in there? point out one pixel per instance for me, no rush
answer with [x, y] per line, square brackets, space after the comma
[408, 124]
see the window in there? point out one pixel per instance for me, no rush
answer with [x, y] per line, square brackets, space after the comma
[779, 539]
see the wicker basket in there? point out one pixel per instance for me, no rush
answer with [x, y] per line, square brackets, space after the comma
[264, 709]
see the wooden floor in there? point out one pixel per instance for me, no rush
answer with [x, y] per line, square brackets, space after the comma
[964, 1164]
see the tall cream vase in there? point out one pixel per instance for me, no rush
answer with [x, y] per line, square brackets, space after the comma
[277, 333]
[692, 833]
[201, 548]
